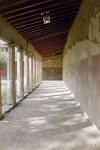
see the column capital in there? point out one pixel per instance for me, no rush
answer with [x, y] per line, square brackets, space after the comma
[20, 49]
[11, 44]
[30, 55]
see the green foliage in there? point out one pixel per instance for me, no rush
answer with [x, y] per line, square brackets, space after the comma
[3, 60]
[4, 91]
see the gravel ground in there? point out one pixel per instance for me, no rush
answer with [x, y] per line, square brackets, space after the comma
[48, 119]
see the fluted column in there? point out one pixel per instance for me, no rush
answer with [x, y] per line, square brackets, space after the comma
[31, 72]
[11, 82]
[26, 73]
[20, 74]
[0, 100]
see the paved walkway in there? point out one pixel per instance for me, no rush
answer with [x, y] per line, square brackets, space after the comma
[48, 119]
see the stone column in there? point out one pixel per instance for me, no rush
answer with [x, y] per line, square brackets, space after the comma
[31, 72]
[39, 73]
[20, 74]
[41, 70]
[34, 73]
[11, 79]
[26, 73]
[0, 100]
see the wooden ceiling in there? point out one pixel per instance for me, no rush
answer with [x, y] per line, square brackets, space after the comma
[25, 16]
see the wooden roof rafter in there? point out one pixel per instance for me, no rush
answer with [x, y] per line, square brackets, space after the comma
[25, 17]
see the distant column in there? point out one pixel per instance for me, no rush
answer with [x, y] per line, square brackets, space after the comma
[39, 73]
[31, 73]
[11, 82]
[20, 74]
[0, 100]
[34, 73]
[26, 73]
[41, 70]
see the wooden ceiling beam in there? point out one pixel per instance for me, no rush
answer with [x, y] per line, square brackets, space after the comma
[14, 19]
[62, 7]
[41, 18]
[48, 36]
[5, 12]
[6, 4]
[45, 29]
[51, 47]
[50, 40]
[50, 44]
[52, 24]
[39, 31]
[54, 41]
[53, 51]
[25, 16]
[56, 20]
[46, 33]
[47, 8]
[11, 15]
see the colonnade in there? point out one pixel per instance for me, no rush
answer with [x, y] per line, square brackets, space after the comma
[29, 75]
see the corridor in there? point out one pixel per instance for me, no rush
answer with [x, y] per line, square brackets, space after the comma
[48, 119]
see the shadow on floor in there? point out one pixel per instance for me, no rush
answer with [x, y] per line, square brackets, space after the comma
[52, 122]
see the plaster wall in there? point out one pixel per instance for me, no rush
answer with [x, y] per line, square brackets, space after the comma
[81, 59]
[52, 68]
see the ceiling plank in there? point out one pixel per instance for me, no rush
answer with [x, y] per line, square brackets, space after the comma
[11, 15]
[56, 20]
[6, 4]
[25, 17]
[5, 12]
[35, 15]
[38, 18]
[48, 36]
[36, 28]
[46, 32]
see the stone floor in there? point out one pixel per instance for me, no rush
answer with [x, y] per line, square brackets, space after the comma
[48, 119]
